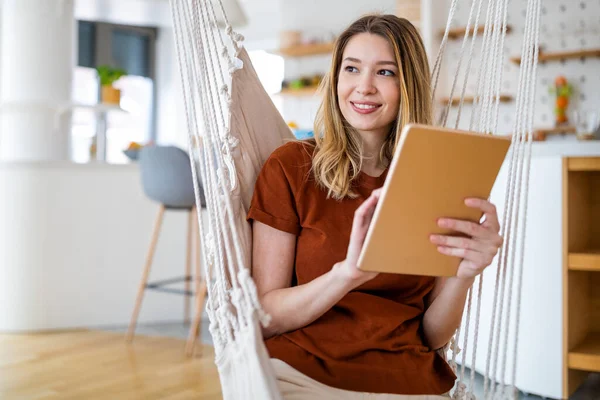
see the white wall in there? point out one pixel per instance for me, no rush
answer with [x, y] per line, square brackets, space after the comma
[331, 15]
[129, 12]
[1, 6]
[564, 26]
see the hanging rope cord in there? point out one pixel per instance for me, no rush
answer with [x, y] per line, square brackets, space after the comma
[525, 140]
[233, 300]
[461, 390]
[485, 117]
[520, 137]
[501, 273]
[188, 74]
[194, 25]
[216, 177]
[438, 61]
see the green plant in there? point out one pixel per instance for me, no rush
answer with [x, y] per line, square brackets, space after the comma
[108, 75]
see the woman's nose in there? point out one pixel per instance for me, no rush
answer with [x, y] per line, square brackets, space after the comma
[366, 85]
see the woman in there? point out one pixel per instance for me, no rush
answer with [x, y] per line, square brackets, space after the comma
[336, 331]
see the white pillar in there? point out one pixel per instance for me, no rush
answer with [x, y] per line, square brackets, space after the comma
[36, 71]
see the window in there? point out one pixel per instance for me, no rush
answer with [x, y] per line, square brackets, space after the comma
[133, 125]
[127, 47]
[86, 44]
[84, 121]
[270, 71]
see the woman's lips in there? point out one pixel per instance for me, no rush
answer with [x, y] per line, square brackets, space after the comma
[365, 107]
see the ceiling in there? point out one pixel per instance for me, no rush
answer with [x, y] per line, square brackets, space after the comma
[149, 12]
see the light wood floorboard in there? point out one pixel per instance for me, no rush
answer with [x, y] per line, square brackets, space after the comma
[100, 365]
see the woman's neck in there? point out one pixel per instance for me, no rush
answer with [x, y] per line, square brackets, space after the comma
[371, 146]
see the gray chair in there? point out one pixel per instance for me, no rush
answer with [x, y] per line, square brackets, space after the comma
[167, 179]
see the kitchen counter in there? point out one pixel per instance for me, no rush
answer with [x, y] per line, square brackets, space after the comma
[73, 241]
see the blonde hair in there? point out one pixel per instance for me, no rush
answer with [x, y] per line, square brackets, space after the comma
[338, 154]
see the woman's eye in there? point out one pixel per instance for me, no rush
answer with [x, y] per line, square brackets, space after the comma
[386, 72]
[350, 69]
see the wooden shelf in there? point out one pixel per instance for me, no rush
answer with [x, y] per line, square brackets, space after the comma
[457, 33]
[541, 133]
[581, 270]
[557, 130]
[583, 164]
[586, 355]
[588, 261]
[562, 55]
[307, 50]
[504, 98]
[303, 92]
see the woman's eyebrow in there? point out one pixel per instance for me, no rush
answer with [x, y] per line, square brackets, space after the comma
[356, 60]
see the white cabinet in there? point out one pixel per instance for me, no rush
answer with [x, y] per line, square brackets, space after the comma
[540, 356]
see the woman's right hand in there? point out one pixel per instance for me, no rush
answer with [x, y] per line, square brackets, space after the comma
[348, 268]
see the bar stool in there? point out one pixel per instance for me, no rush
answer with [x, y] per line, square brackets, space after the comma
[167, 179]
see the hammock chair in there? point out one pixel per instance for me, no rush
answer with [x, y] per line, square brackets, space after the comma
[234, 127]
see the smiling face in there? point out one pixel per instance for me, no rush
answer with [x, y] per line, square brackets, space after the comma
[368, 87]
[369, 95]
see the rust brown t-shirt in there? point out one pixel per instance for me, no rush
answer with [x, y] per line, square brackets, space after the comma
[371, 340]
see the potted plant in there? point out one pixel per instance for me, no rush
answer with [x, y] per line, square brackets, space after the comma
[109, 75]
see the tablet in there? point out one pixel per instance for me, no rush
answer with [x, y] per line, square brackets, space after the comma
[433, 170]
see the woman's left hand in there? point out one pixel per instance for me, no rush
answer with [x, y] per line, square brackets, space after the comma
[480, 247]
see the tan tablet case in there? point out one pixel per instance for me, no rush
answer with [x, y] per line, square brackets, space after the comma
[433, 171]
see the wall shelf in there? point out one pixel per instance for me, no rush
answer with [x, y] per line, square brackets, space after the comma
[541, 133]
[585, 261]
[504, 98]
[459, 32]
[562, 55]
[584, 164]
[586, 355]
[557, 130]
[306, 50]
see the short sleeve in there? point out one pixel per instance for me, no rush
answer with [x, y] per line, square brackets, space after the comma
[273, 202]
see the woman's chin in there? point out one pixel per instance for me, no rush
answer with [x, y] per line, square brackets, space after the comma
[367, 123]
[362, 123]
[362, 127]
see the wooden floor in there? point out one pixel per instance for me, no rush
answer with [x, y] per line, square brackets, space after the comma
[100, 365]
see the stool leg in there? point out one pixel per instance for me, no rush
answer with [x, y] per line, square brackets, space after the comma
[188, 266]
[201, 292]
[200, 283]
[146, 273]
[195, 327]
